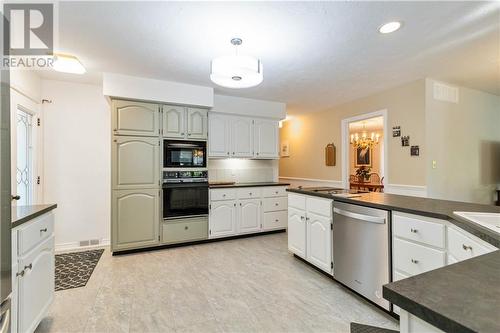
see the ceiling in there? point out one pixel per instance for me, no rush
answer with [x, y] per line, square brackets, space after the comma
[369, 125]
[315, 54]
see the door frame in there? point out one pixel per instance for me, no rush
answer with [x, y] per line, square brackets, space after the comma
[26, 104]
[346, 142]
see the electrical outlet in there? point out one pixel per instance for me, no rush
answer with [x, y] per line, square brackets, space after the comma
[434, 164]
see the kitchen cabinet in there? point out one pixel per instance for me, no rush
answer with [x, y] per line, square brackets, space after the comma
[184, 230]
[266, 138]
[184, 123]
[242, 137]
[249, 215]
[462, 245]
[218, 135]
[135, 118]
[33, 270]
[319, 240]
[310, 229]
[222, 219]
[409, 323]
[135, 162]
[135, 218]
[174, 121]
[297, 232]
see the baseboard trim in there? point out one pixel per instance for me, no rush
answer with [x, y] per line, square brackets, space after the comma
[410, 190]
[72, 246]
[313, 181]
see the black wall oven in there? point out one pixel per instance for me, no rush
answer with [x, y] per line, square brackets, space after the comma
[185, 194]
[184, 154]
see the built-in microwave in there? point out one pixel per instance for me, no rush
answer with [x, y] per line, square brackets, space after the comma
[184, 154]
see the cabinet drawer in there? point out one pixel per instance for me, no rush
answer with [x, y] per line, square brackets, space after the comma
[297, 201]
[223, 194]
[248, 193]
[183, 230]
[419, 230]
[415, 259]
[275, 191]
[319, 206]
[275, 220]
[275, 204]
[462, 246]
[35, 232]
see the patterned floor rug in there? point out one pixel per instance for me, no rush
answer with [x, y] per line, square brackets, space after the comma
[74, 269]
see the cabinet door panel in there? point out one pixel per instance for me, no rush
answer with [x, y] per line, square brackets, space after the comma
[36, 286]
[297, 232]
[134, 118]
[319, 241]
[222, 219]
[174, 122]
[248, 216]
[266, 137]
[135, 218]
[197, 123]
[242, 137]
[135, 162]
[218, 135]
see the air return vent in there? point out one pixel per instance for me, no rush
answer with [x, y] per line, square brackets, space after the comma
[445, 93]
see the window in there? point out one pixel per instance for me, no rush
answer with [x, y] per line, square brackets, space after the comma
[24, 158]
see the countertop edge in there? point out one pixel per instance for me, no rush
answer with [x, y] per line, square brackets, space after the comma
[34, 214]
[247, 185]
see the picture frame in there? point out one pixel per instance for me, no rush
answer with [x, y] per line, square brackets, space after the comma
[405, 141]
[414, 151]
[285, 149]
[396, 131]
[363, 157]
[330, 155]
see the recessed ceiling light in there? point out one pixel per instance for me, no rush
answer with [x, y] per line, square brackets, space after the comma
[68, 64]
[389, 27]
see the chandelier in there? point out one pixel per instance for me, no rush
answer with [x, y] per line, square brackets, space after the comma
[364, 141]
[236, 71]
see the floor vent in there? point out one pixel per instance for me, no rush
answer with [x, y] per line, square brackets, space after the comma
[445, 93]
[84, 243]
[89, 242]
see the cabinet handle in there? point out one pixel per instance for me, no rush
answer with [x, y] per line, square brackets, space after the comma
[302, 217]
[186, 228]
[43, 230]
[233, 152]
[114, 130]
[21, 273]
[240, 204]
[276, 220]
[249, 193]
[257, 153]
[189, 134]
[276, 204]
[228, 153]
[234, 205]
[223, 195]
[466, 247]
[16, 197]
[414, 230]
[415, 261]
[30, 266]
[276, 192]
[307, 219]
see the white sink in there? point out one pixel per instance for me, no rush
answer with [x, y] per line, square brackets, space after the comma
[487, 220]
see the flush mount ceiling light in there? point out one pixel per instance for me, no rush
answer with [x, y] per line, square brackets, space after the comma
[389, 27]
[236, 71]
[67, 64]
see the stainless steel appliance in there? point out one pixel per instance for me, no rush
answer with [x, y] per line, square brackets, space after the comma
[184, 154]
[361, 249]
[185, 194]
[5, 205]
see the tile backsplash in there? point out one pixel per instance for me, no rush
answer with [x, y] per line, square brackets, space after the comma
[242, 171]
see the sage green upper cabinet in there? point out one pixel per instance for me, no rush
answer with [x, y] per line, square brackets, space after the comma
[135, 118]
[185, 123]
[135, 218]
[135, 162]
[197, 123]
[174, 122]
[242, 137]
[266, 139]
[218, 135]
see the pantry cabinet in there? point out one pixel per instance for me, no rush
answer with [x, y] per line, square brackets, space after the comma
[135, 118]
[135, 219]
[135, 162]
[184, 123]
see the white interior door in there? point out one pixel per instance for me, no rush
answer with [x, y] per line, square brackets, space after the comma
[26, 150]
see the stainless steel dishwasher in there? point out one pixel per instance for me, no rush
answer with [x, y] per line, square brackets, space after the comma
[361, 249]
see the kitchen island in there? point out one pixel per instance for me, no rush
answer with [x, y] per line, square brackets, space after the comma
[453, 286]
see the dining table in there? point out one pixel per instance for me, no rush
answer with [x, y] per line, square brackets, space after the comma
[372, 187]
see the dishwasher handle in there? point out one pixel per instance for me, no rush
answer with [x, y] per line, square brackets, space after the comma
[363, 217]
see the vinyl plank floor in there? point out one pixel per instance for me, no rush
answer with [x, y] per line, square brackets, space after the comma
[243, 285]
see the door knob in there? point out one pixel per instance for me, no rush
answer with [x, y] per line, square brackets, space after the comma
[16, 197]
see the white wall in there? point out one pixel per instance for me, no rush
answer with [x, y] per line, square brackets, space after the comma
[77, 161]
[27, 83]
[464, 140]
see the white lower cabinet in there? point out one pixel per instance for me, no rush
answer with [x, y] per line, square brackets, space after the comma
[245, 210]
[409, 323]
[310, 230]
[33, 273]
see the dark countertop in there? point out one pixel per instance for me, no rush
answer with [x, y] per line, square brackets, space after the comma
[248, 185]
[23, 214]
[462, 297]
[441, 209]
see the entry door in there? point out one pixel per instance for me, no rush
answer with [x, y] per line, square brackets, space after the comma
[25, 157]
